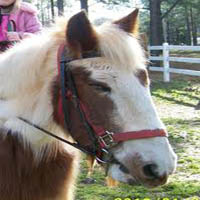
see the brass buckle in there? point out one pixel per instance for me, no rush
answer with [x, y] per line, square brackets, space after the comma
[107, 139]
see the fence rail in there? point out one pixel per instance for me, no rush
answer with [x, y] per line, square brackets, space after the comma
[166, 60]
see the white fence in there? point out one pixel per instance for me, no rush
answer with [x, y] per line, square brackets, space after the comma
[166, 60]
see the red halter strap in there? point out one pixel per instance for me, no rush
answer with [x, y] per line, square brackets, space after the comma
[59, 114]
[108, 139]
[105, 138]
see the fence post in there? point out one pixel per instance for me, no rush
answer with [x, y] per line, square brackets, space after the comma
[166, 75]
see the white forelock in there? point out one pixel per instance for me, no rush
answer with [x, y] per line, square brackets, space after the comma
[121, 48]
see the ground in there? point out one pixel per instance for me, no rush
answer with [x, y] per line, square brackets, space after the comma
[176, 102]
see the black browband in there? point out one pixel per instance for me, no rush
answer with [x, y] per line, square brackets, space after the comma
[68, 84]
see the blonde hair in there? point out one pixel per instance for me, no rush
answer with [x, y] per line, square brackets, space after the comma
[16, 5]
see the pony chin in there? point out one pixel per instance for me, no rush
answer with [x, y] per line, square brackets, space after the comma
[115, 172]
[143, 166]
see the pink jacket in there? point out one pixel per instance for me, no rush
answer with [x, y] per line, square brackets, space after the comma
[25, 20]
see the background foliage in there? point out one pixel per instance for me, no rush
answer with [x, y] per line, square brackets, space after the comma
[173, 21]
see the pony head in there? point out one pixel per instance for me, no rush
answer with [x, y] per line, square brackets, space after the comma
[114, 88]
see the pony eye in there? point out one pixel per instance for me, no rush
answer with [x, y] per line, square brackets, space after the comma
[101, 87]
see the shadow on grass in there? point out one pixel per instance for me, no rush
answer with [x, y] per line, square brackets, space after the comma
[177, 85]
[172, 99]
[175, 92]
[190, 96]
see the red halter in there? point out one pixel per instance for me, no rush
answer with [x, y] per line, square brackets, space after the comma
[105, 138]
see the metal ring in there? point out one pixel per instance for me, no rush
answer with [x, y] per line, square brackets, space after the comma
[99, 159]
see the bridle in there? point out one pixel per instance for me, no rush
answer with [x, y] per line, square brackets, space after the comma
[101, 140]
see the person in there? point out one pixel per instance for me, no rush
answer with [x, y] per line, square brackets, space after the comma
[18, 20]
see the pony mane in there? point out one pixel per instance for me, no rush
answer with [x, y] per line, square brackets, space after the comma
[121, 48]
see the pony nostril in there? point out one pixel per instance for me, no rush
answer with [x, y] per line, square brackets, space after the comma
[150, 171]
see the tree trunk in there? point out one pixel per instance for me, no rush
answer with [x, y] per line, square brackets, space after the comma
[177, 36]
[48, 13]
[188, 29]
[42, 13]
[84, 5]
[194, 28]
[164, 24]
[156, 33]
[168, 32]
[60, 5]
[52, 10]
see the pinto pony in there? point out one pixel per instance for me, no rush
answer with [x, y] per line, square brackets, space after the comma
[87, 85]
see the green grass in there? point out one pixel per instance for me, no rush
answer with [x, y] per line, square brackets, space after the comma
[184, 135]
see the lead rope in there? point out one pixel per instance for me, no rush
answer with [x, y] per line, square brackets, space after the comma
[75, 145]
[110, 159]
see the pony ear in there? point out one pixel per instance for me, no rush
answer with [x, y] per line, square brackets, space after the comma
[129, 23]
[80, 34]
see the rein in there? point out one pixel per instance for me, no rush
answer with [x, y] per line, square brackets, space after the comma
[75, 145]
[102, 140]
